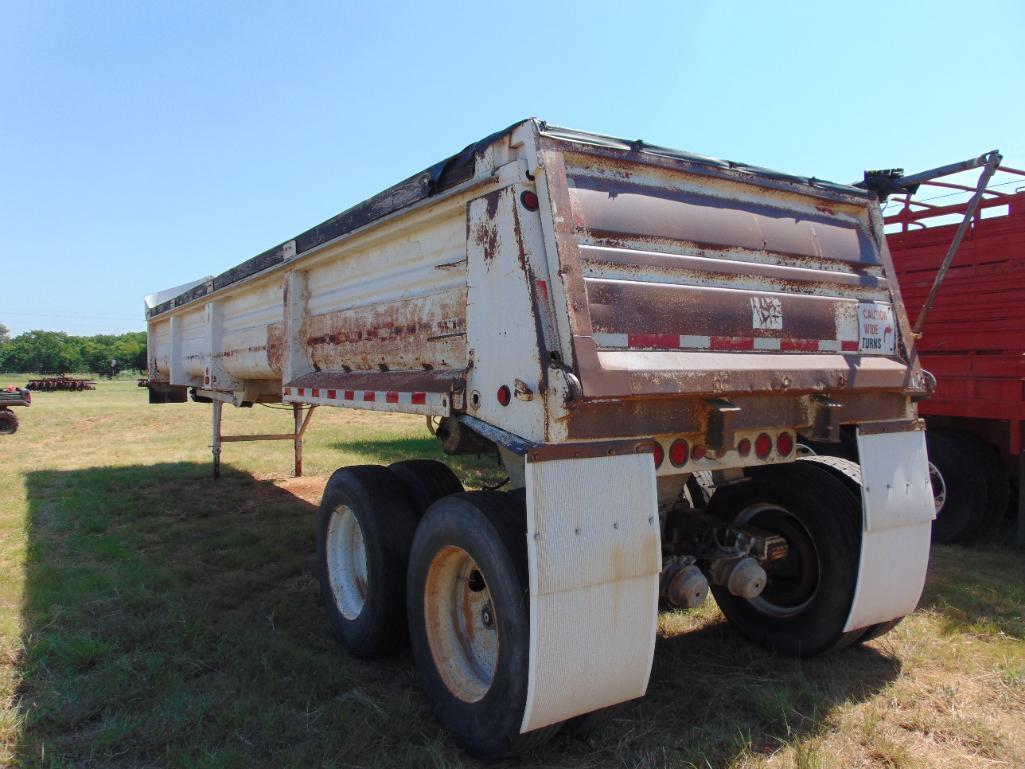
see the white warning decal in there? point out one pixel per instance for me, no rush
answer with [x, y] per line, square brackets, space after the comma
[876, 330]
[766, 312]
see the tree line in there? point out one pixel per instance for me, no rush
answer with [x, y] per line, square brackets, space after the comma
[55, 352]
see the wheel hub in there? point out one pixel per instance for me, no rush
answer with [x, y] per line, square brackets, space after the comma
[462, 627]
[793, 581]
[347, 562]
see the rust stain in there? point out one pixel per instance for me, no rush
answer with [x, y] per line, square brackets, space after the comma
[275, 346]
[420, 333]
[485, 235]
[491, 200]
[485, 232]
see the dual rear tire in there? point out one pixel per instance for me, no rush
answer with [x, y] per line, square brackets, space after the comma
[406, 556]
[365, 527]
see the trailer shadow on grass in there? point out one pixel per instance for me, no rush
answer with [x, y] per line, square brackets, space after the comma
[173, 620]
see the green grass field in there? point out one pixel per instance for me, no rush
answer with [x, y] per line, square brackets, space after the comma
[150, 616]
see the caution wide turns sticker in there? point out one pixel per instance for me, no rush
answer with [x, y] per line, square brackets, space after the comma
[877, 332]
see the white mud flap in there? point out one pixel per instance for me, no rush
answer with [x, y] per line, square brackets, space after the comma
[896, 529]
[594, 555]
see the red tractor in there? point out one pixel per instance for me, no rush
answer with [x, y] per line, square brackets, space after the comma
[12, 396]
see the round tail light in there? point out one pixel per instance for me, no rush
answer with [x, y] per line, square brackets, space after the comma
[763, 446]
[529, 200]
[504, 396]
[785, 444]
[744, 447]
[697, 453]
[659, 454]
[679, 452]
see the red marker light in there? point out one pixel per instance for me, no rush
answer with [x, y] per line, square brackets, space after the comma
[744, 447]
[504, 396]
[679, 452]
[529, 200]
[763, 446]
[697, 453]
[659, 455]
[785, 444]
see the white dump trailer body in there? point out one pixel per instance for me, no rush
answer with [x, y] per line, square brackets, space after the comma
[616, 321]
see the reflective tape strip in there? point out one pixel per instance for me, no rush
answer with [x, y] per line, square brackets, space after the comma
[720, 343]
[382, 400]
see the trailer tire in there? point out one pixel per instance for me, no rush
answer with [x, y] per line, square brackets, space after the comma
[8, 422]
[998, 481]
[807, 599]
[425, 481]
[998, 489]
[961, 475]
[880, 629]
[469, 620]
[365, 529]
[850, 473]
[583, 726]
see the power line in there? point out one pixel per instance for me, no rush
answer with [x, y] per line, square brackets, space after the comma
[74, 316]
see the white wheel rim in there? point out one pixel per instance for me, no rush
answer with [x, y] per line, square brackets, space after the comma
[346, 562]
[461, 624]
[939, 487]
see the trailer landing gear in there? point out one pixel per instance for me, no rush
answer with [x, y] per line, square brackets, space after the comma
[296, 437]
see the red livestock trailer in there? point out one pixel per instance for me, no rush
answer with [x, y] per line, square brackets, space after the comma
[959, 252]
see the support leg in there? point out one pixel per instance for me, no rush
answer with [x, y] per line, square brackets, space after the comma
[297, 413]
[300, 430]
[216, 445]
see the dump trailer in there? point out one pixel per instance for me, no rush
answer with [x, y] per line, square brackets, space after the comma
[639, 335]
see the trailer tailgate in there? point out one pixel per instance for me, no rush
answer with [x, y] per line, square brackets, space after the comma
[709, 282]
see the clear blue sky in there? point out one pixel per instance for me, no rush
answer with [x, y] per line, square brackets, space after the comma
[146, 144]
